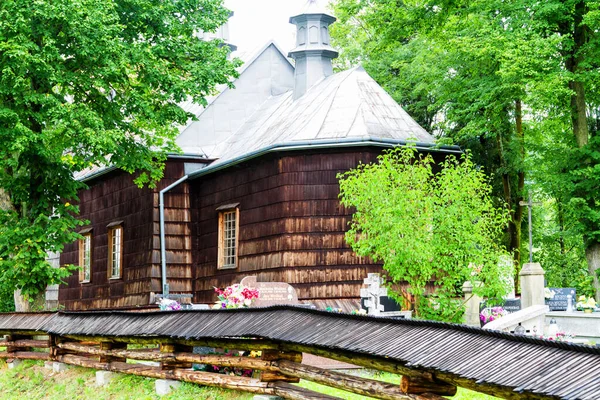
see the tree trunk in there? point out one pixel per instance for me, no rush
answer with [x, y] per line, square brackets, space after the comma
[579, 114]
[512, 199]
[592, 253]
[517, 217]
[578, 106]
[573, 61]
[21, 303]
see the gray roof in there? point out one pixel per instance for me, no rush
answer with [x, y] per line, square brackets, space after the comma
[344, 106]
[247, 58]
[493, 362]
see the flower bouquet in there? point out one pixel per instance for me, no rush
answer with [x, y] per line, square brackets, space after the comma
[491, 314]
[169, 305]
[586, 304]
[549, 293]
[235, 296]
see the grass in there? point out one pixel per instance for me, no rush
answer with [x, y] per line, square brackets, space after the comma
[462, 394]
[31, 381]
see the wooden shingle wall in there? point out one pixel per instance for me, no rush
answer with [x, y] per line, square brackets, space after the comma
[291, 225]
[114, 197]
[178, 237]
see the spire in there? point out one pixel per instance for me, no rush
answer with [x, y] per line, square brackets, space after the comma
[313, 52]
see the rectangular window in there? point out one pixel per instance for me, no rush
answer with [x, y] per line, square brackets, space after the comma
[115, 251]
[85, 258]
[228, 238]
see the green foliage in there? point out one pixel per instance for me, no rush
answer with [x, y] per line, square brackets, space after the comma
[559, 248]
[427, 226]
[85, 84]
[464, 69]
[7, 301]
[585, 179]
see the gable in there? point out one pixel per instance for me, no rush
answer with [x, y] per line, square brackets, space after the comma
[269, 74]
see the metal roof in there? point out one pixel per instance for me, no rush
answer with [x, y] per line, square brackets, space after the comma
[345, 106]
[343, 110]
[247, 58]
[525, 365]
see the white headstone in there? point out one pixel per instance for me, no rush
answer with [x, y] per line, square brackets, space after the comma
[373, 293]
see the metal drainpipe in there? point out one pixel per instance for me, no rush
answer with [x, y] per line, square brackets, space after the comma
[163, 250]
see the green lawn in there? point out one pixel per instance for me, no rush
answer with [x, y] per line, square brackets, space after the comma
[463, 394]
[31, 381]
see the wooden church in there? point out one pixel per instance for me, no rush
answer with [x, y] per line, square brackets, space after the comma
[255, 191]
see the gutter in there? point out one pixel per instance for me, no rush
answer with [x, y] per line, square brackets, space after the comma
[163, 250]
[324, 144]
[110, 168]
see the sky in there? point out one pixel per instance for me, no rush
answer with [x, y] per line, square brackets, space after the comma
[256, 21]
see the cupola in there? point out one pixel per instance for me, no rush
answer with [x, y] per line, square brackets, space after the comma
[313, 52]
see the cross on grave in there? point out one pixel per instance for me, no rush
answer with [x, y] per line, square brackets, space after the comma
[529, 204]
[373, 293]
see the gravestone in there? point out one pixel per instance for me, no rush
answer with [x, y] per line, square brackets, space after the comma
[388, 303]
[559, 301]
[271, 293]
[373, 294]
[510, 305]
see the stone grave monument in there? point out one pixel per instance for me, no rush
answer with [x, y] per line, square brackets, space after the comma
[373, 293]
[271, 293]
[374, 296]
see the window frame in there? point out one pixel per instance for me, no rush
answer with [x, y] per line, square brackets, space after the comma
[223, 211]
[118, 226]
[82, 250]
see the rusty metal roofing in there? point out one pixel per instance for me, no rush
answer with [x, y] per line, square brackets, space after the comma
[524, 364]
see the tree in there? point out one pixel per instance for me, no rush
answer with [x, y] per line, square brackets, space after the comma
[496, 76]
[428, 226]
[446, 68]
[85, 84]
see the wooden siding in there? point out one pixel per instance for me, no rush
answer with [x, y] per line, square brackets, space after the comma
[292, 225]
[114, 197]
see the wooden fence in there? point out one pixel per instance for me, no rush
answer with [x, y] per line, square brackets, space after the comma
[278, 369]
[433, 358]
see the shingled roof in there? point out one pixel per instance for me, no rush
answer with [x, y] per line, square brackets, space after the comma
[522, 364]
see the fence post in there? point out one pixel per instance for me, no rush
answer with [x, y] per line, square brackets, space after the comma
[472, 302]
[112, 346]
[532, 285]
[173, 348]
[276, 355]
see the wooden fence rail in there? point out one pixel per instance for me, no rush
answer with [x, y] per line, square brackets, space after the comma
[433, 358]
[275, 373]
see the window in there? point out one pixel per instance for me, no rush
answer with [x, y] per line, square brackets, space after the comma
[228, 236]
[85, 258]
[115, 251]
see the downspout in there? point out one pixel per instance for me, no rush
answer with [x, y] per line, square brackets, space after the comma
[163, 250]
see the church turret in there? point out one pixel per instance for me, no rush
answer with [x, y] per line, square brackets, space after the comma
[313, 52]
[222, 34]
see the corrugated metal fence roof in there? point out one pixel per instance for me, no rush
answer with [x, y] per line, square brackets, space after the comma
[556, 369]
